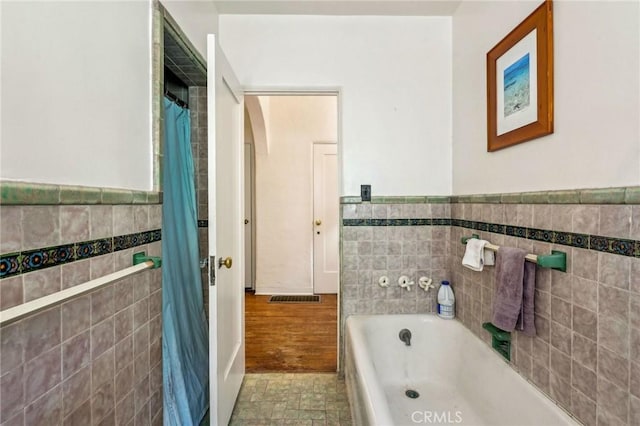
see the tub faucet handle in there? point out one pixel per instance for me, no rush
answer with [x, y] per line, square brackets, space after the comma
[426, 283]
[404, 282]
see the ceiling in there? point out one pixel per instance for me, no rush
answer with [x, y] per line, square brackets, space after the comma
[341, 7]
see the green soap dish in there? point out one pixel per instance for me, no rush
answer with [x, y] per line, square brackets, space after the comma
[500, 340]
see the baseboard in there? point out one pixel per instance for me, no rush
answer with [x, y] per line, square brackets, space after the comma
[277, 291]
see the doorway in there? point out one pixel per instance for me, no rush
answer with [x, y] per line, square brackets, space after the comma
[292, 192]
[293, 150]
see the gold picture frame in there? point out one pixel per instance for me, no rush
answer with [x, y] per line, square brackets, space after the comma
[520, 82]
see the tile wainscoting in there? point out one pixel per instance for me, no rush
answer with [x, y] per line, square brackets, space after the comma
[391, 240]
[96, 359]
[587, 351]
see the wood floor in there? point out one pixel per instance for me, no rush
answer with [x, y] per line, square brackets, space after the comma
[291, 336]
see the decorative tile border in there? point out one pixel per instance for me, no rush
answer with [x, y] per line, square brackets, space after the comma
[395, 222]
[599, 243]
[89, 249]
[12, 264]
[26, 193]
[622, 195]
[619, 246]
[542, 235]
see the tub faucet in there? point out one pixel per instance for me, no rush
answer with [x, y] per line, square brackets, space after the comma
[404, 282]
[405, 336]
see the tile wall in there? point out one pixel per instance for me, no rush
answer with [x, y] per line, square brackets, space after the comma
[379, 241]
[96, 359]
[586, 355]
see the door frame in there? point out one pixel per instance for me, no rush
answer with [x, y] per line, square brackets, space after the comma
[315, 91]
[306, 91]
[252, 223]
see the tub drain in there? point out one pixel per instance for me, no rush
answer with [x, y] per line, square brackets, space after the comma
[412, 394]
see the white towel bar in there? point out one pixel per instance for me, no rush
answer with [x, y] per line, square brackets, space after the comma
[530, 257]
[556, 260]
[17, 312]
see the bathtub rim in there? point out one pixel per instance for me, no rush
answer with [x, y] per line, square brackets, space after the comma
[368, 382]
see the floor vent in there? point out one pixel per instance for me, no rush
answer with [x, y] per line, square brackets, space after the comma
[294, 299]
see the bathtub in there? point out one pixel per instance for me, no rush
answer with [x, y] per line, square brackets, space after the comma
[459, 379]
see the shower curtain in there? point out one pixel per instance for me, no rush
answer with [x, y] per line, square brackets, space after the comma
[185, 357]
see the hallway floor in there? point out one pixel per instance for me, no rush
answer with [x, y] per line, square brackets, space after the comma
[299, 337]
[305, 399]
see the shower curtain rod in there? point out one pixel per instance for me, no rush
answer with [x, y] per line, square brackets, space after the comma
[176, 99]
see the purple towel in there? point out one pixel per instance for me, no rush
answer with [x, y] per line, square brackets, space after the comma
[515, 288]
[526, 321]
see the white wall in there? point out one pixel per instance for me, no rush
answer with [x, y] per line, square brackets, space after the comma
[395, 77]
[75, 82]
[597, 112]
[197, 18]
[284, 191]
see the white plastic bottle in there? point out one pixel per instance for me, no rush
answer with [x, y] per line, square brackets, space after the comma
[446, 301]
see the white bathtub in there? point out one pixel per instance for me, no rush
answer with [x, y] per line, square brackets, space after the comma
[459, 378]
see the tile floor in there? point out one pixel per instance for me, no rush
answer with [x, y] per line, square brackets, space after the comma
[292, 399]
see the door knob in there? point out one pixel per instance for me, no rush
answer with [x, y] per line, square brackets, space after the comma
[318, 222]
[225, 262]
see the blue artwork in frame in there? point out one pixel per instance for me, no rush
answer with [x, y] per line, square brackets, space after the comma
[516, 86]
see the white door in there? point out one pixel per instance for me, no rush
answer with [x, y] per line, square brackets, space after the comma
[226, 215]
[248, 215]
[326, 217]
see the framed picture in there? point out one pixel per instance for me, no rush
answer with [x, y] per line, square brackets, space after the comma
[520, 82]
